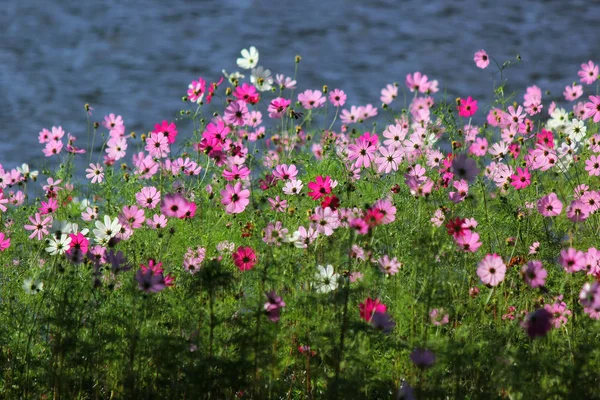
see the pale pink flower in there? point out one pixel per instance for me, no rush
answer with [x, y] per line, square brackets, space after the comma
[481, 59]
[311, 99]
[588, 73]
[95, 172]
[491, 270]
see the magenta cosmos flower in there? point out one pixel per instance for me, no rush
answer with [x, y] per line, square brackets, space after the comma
[549, 205]
[491, 270]
[369, 307]
[277, 107]
[168, 129]
[467, 107]
[244, 258]
[234, 198]
[521, 179]
[320, 187]
[4, 241]
[481, 59]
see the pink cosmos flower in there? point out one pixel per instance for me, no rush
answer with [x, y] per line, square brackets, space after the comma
[236, 173]
[467, 107]
[196, 90]
[277, 204]
[244, 258]
[115, 148]
[174, 205]
[521, 179]
[438, 317]
[387, 209]
[588, 73]
[481, 59]
[235, 198]
[158, 221]
[572, 93]
[52, 148]
[44, 136]
[363, 151]
[168, 129]
[132, 217]
[417, 82]
[369, 307]
[593, 109]
[95, 172]
[469, 241]
[389, 266]
[311, 99]
[320, 187]
[479, 147]
[39, 226]
[236, 113]
[148, 197]
[48, 207]
[325, 220]
[559, 313]
[592, 165]
[337, 97]
[572, 260]
[462, 188]
[388, 94]
[157, 145]
[4, 241]
[277, 107]
[389, 160]
[578, 211]
[438, 218]
[112, 122]
[534, 274]
[549, 205]
[491, 270]
[285, 172]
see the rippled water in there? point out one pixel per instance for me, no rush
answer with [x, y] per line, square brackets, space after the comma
[136, 58]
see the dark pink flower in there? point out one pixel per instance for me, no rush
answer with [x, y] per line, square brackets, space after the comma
[244, 258]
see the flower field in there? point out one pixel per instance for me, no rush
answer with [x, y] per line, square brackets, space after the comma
[277, 242]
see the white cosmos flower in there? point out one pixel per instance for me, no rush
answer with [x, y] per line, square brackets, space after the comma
[262, 79]
[293, 187]
[27, 173]
[233, 76]
[558, 118]
[576, 130]
[58, 245]
[105, 231]
[249, 58]
[327, 279]
[32, 287]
